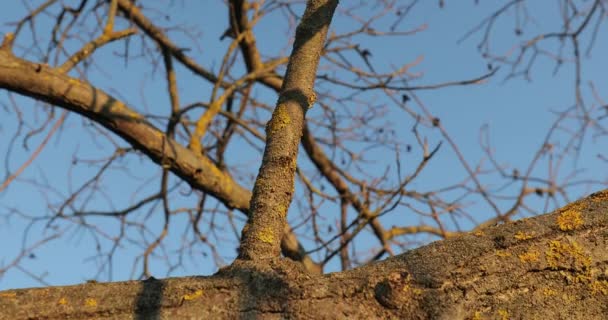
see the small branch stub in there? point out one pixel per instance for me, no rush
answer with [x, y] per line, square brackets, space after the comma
[7, 42]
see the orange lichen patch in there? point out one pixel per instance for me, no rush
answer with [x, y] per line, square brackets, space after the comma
[90, 302]
[567, 255]
[530, 256]
[570, 218]
[599, 287]
[194, 295]
[520, 235]
[502, 253]
[266, 235]
[62, 301]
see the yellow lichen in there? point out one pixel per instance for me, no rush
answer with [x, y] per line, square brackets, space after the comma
[504, 314]
[62, 301]
[280, 119]
[520, 235]
[266, 235]
[599, 287]
[578, 277]
[282, 210]
[194, 295]
[406, 287]
[569, 220]
[260, 183]
[530, 256]
[502, 253]
[549, 292]
[567, 255]
[479, 233]
[90, 302]
[476, 316]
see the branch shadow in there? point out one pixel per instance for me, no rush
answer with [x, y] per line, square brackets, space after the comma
[149, 300]
[262, 293]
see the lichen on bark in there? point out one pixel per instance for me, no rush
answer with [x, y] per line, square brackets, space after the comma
[273, 190]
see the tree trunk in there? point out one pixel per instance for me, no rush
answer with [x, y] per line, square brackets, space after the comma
[274, 185]
[553, 266]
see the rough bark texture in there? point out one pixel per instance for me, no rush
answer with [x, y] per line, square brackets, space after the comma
[274, 186]
[550, 267]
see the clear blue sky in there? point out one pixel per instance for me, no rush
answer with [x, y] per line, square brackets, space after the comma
[517, 112]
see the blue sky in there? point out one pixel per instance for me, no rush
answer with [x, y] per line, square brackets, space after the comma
[518, 113]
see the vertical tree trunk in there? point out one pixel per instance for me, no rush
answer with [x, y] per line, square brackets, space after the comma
[274, 186]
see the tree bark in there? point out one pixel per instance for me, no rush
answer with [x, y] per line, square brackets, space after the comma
[274, 185]
[548, 267]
